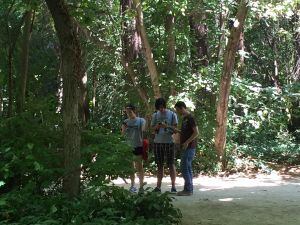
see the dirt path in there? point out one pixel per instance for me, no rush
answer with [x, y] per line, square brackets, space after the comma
[235, 200]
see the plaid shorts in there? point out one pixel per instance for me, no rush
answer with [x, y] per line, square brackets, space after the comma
[164, 151]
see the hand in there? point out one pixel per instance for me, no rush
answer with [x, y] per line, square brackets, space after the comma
[157, 127]
[163, 125]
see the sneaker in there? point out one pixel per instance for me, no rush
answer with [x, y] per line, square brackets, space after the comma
[184, 193]
[133, 189]
[157, 189]
[173, 190]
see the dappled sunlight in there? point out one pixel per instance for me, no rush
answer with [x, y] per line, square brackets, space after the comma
[206, 183]
[228, 199]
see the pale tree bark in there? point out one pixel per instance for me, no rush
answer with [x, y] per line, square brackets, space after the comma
[26, 36]
[229, 59]
[72, 72]
[147, 50]
[241, 48]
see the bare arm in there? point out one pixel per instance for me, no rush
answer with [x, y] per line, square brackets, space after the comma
[123, 129]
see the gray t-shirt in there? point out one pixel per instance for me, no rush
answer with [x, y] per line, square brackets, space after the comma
[133, 131]
[164, 135]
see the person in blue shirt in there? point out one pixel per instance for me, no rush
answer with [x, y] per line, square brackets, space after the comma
[163, 123]
[133, 128]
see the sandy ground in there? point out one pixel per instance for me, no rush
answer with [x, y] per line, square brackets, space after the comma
[237, 200]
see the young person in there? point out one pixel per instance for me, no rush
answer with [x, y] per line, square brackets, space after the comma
[133, 128]
[188, 140]
[163, 123]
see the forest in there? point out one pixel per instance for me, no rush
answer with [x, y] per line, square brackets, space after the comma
[69, 67]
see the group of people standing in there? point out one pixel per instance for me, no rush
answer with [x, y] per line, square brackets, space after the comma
[164, 124]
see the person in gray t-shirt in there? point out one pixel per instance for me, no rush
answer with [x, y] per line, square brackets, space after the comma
[163, 123]
[133, 128]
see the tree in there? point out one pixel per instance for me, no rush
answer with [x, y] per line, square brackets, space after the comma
[229, 59]
[199, 42]
[72, 71]
[27, 30]
[147, 50]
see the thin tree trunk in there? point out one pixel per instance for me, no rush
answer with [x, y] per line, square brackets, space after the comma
[296, 70]
[1, 102]
[24, 60]
[95, 85]
[127, 66]
[198, 30]
[171, 56]
[147, 50]
[229, 59]
[131, 44]
[241, 47]
[10, 82]
[72, 71]
[84, 114]
[222, 23]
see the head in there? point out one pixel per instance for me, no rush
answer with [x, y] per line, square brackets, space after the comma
[130, 110]
[180, 107]
[160, 104]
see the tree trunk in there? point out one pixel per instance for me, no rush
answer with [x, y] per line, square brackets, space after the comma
[10, 82]
[147, 50]
[1, 102]
[72, 71]
[241, 47]
[95, 85]
[27, 30]
[296, 70]
[222, 23]
[229, 59]
[199, 47]
[131, 44]
[171, 55]
[84, 112]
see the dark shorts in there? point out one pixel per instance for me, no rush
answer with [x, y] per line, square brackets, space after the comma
[164, 152]
[138, 151]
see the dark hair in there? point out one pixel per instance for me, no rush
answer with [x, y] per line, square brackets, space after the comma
[130, 106]
[180, 105]
[160, 102]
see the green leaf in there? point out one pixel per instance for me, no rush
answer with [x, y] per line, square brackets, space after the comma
[30, 146]
[37, 166]
[2, 183]
[53, 209]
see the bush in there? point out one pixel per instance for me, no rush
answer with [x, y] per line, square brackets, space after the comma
[107, 205]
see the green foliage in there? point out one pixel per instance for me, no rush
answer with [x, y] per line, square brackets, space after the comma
[107, 205]
[105, 155]
[259, 119]
[30, 148]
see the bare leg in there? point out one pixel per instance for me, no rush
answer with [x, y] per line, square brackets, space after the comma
[160, 174]
[132, 176]
[172, 169]
[140, 170]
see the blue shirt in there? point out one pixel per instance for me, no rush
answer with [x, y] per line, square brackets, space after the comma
[164, 135]
[133, 131]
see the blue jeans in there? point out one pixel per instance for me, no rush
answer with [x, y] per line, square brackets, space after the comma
[186, 168]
